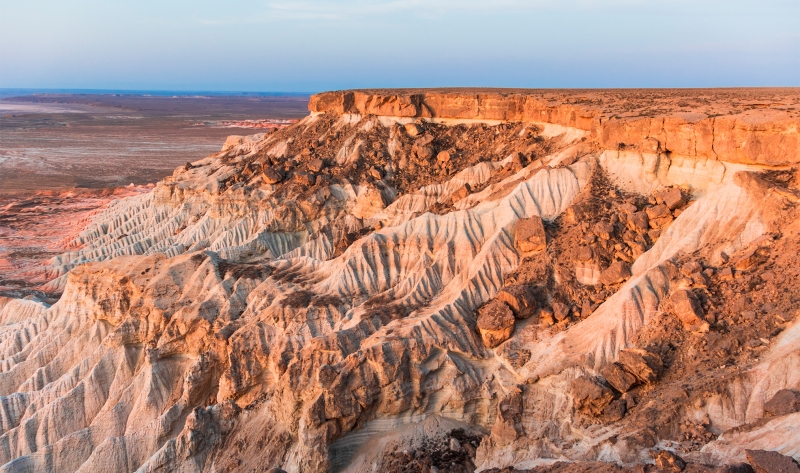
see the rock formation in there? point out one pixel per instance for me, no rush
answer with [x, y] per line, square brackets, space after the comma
[434, 280]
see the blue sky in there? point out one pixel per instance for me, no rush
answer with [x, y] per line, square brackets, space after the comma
[315, 45]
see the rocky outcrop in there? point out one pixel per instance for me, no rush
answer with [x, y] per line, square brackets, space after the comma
[767, 135]
[373, 306]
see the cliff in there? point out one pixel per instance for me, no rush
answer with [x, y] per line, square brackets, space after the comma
[750, 126]
[450, 279]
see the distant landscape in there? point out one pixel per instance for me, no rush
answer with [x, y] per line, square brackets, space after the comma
[65, 155]
[59, 140]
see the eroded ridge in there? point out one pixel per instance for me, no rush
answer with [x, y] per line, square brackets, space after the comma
[381, 287]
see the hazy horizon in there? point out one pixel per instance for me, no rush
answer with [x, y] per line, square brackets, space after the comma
[322, 45]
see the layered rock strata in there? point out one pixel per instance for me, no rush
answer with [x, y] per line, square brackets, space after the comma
[317, 298]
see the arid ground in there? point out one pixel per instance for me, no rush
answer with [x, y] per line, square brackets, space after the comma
[64, 157]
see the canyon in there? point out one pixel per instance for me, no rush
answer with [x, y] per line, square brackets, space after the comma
[430, 280]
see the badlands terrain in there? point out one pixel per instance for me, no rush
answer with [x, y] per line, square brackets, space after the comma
[448, 280]
[65, 157]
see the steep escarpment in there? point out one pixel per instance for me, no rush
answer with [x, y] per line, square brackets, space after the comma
[410, 280]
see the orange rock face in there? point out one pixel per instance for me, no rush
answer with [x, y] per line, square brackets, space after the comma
[749, 126]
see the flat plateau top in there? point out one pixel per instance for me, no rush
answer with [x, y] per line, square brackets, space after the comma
[619, 103]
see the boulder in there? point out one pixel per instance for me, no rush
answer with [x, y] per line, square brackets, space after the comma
[461, 193]
[376, 173]
[529, 235]
[305, 178]
[316, 165]
[657, 211]
[546, 317]
[662, 222]
[560, 311]
[670, 196]
[639, 222]
[667, 461]
[782, 403]
[583, 253]
[370, 200]
[590, 395]
[520, 298]
[763, 461]
[627, 208]
[687, 308]
[690, 268]
[422, 153]
[413, 129]
[495, 323]
[271, 176]
[615, 411]
[603, 230]
[617, 377]
[646, 366]
[618, 272]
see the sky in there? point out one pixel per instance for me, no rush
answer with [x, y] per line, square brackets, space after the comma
[315, 45]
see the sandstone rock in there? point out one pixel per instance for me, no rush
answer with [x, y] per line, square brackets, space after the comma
[657, 211]
[413, 129]
[271, 176]
[690, 268]
[517, 163]
[603, 230]
[687, 308]
[529, 235]
[461, 193]
[627, 208]
[764, 461]
[661, 223]
[422, 153]
[495, 323]
[369, 201]
[618, 272]
[615, 410]
[782, 403]
[671, 197]
[316, 165]
[546, 317]
[520, 298]
[668, 461]
[583, 253]
[443, 157]
[305, 178]
[376, 173]
[103, 378]
[590, 395]
[618, 377]
[644, 365]
[732, 137]
[560, 311]
[639, 222]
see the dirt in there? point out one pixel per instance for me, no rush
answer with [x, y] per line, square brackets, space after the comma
[453, 453]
